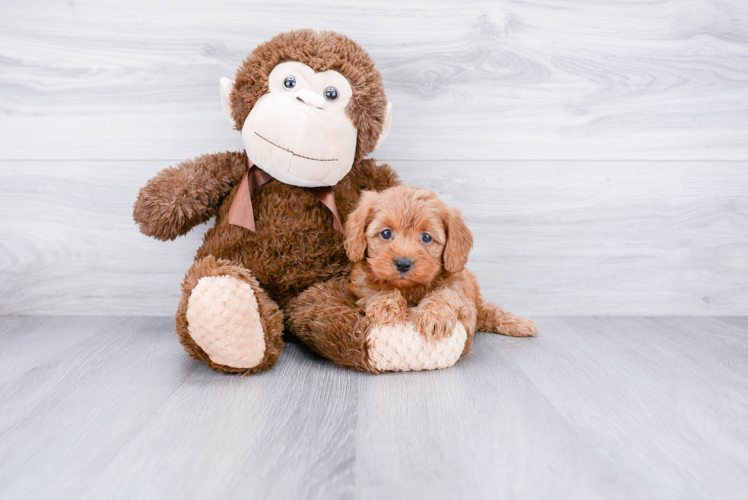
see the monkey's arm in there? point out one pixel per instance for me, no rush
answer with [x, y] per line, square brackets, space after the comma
[181, 197]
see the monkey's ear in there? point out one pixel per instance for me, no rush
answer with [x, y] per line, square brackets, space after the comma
[355, 226]
[226, 87]
[387, 125]
[459, 241]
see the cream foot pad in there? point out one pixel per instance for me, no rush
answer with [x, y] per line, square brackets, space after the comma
[401, 348]
[223, 320]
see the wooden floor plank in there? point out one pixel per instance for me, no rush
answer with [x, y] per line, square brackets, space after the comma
[67, 417]
[659, 405]
[35, 340]
[592, 408]
[289, 431]
[478, 430]
[130, 402]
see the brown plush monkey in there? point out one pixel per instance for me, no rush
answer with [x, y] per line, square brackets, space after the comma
[310, 106]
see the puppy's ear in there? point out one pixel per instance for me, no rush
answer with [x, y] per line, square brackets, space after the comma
[355, 226]
[459, 241]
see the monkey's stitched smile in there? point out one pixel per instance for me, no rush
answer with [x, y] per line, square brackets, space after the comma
[289, 151]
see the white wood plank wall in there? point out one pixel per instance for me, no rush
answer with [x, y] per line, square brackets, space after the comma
[597, 149]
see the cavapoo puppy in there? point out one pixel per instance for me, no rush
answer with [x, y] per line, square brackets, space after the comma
[410, 250]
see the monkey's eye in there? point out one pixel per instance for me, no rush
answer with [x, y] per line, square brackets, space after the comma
[426, 238]
[289, 82]
[331, 94]
[386, 234]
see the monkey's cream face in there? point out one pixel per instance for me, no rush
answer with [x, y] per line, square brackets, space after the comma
[299, 131]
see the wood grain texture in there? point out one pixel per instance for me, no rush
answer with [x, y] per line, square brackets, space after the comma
[551, 79]
[492, 100]
[592, 408]
[563, 238]
[121, 412]
[69, 242]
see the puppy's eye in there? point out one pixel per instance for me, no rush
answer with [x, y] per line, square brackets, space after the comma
[386, 234]
[289, 82]
[426, 238]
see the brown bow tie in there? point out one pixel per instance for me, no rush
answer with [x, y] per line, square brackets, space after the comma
[241, 213]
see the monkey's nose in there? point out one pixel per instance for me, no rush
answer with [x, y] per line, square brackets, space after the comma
[308, 97]
[403, 265]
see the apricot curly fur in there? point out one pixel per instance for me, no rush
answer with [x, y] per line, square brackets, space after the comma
[386, 309]
[438, 285]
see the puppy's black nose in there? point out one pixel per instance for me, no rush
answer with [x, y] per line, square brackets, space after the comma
[403, 264]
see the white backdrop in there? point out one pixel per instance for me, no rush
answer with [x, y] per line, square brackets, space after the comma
[597, 149]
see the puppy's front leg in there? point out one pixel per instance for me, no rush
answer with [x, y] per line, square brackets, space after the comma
[386, 308]
[437, 314]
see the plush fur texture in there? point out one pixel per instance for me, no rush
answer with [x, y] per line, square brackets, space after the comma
[326, 318]
[295, 245]
[271, 316]
[222, 318]
[321, 51]
[401, 348]
[179, 198]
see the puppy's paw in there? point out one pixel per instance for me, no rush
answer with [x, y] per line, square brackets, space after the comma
[435, 320]
[518, 327]
[387, 310]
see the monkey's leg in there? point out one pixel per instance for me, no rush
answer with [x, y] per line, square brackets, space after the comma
[326, 318]
[227, 320]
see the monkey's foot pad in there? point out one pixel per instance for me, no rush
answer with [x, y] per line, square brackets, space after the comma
[401, 348]
[223, 320]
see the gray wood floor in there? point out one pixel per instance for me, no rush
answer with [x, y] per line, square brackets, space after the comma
[105, 407]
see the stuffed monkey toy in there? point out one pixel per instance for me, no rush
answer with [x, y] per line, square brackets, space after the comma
[310, 106]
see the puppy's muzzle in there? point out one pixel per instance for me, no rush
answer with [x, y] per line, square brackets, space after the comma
[403, 265]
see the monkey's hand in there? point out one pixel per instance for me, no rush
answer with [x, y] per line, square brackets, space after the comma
[181, 197]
